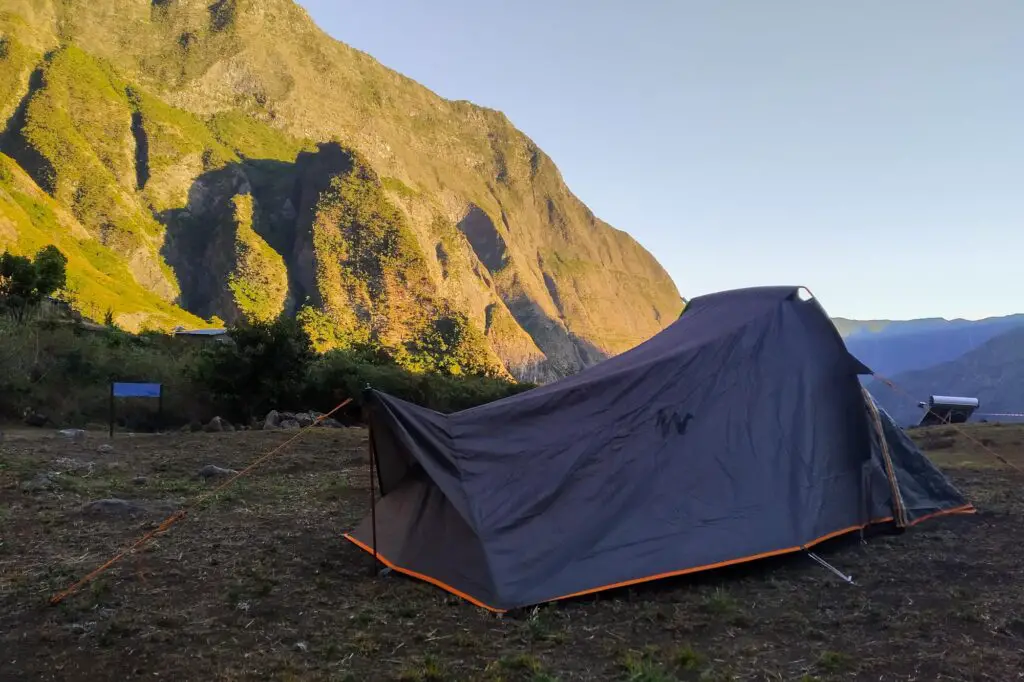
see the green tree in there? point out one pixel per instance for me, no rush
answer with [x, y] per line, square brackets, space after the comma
[25, 282]
[263, 367]
[452, 345]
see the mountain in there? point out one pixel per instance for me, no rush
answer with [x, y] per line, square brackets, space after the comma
[993, 373]
[890, 348]
[202, 159]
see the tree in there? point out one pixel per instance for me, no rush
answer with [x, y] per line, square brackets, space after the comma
[263, 367]
[450, 344]
[25, 282]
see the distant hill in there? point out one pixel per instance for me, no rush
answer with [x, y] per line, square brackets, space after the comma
[993, 372]
[889, 347]
[848, 327]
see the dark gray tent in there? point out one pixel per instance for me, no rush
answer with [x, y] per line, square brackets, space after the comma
[741, 431]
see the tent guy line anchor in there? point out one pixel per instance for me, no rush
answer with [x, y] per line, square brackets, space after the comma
[846, 578]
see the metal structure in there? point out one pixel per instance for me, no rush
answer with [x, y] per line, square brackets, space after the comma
[944, 409]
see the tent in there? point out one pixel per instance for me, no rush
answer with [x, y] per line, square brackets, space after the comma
[740, 431]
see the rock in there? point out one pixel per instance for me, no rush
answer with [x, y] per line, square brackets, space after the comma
[287, 415]
[105, 449]
[289, 424]
[272, 421]
[40, 483]
[331, 423]
[33, 418]
[67, 464]
[228, 426]
[73, 434]
[195, 426]
[304, 419]
[213, 471]
[112, 507]
[216, 425]
[139, 480]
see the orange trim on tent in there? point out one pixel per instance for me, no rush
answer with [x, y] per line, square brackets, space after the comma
[427, 578]
[965, 509]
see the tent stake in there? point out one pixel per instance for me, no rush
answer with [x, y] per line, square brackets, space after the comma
[846, 578]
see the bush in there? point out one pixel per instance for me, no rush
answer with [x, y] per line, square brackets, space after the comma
[344, 374]
[25, 282]
[63, 370]
[262, 368]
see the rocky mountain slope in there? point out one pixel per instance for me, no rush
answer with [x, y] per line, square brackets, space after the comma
[201, 158]
[993, 372]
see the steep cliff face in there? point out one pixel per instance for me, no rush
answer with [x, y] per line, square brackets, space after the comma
[239, 162]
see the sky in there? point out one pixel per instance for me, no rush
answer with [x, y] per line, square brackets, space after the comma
[871, 151]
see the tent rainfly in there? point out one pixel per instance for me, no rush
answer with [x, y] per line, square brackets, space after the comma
[741, 431]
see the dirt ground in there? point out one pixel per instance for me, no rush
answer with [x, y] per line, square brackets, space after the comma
[259, 584]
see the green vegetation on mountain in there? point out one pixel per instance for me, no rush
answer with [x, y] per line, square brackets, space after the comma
[233, 161]
[97, 279]
[259, 281]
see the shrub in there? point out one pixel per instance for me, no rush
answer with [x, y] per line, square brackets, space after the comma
[63, 370]
[346, 373]
[263, 367]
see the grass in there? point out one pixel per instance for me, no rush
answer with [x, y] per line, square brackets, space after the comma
[255, 140]
[263, 573]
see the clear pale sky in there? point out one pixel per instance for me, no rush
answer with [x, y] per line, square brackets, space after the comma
[867, 150]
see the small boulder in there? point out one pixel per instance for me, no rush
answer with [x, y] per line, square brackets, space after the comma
[213, 471]
[216, 425]
[272, 421]
[139, 480]
[331, 423]
[112, 507]
[289, 424]
[304, 419]
[40, 483]
[73, 434]
[105, 449]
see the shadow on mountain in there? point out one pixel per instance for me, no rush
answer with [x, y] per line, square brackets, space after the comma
[201, 244]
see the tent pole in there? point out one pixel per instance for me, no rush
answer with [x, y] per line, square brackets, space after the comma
[373, 502]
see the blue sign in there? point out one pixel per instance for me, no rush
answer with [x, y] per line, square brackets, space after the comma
[132, 390]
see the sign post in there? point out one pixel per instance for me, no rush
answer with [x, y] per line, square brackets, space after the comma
[122, 389]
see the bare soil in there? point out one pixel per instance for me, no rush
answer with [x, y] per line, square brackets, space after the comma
[259, 584]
